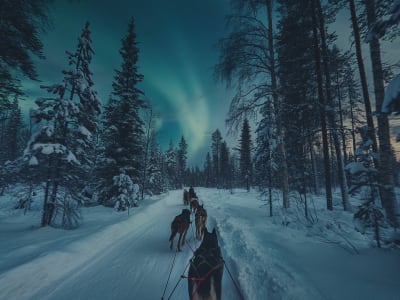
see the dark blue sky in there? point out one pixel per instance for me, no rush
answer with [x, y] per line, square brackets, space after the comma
[177, 54]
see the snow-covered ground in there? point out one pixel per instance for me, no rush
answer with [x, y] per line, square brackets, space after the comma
[120, 256]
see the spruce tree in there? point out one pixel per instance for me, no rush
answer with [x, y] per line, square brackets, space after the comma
[21, 24]
[364, 180]
[216, 140]
[171, 165]
[297, 83]
[155, 182]
[60, 145]
[226, 170]
[13, 132]
[181, 159]
[208, 171]
[124, 135]
[246, 169]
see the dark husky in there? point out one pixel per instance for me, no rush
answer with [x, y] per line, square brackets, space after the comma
[180, 225]
[185, 197]
[194, 204]
[200, 221]
[206, 268]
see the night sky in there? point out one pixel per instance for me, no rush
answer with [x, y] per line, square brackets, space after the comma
[177, 53]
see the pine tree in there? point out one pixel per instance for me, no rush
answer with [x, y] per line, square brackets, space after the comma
[181, 160]
[297, 88]
[322, 105]
[21, 24]
[246, 169]
[124, 135]
[208, 171]
[127, 195]
[156, 181]
[364, 180]
[379, 28]
[226, 170]
[171, 165]
[330, 113]
[13, 132]
[63, 137]
[265, 160]
[216, 140]
[388, 196]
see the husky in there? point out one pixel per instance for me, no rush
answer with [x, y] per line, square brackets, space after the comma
[185, 197]
[200, 221]
[194, 204]
[206, 268]
[180, 225]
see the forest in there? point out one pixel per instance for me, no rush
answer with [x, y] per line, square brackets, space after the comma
[310, 117]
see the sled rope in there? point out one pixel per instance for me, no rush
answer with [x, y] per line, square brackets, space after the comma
[176, 285]
[169, 275]
[234, 282]
[193, 237]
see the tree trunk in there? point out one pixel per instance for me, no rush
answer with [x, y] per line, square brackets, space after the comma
[385, 169]
[325, 144]
[314, 166]
[363, 78]
[342, 131]
[270, 186]
[146, 153]
[45, 212]
[331, 114]
[281, 148]
[353, 127]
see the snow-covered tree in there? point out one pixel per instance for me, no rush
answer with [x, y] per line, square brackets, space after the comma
[364, 180]
[123, 134]
[216, 140]
[156, 181]
[391, 101]
[13, 132]
[379, 28]
[266, 144]
[128, 193]
[181, 158]
[64, 138]
[171, 165]
[21, 24]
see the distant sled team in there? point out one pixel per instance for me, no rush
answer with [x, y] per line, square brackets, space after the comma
[206, 265]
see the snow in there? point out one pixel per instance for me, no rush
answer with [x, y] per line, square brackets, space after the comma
[50, 148]
[84, 131]
[33, 161]
[356, 167]
[392, 94]
[120, 256]
[72, 158]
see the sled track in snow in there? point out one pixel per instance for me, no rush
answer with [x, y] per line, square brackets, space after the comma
[244, 256]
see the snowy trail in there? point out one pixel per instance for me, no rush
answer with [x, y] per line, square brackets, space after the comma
[262, 268]
[123, 261]
[116, 256]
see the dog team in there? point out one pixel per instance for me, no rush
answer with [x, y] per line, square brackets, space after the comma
[206, 266]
